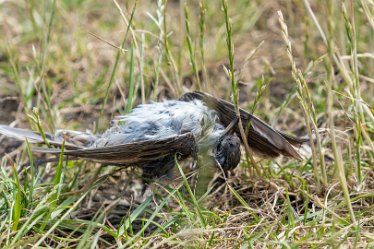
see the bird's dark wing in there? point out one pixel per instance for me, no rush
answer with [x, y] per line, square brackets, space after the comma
[136, 153]
[261, 137]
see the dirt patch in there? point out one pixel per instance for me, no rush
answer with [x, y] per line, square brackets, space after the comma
[8, 108]
[8, 111]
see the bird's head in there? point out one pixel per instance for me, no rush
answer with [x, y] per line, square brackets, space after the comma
[227, 151]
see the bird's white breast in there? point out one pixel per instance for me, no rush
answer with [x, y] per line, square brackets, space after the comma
[161, 120]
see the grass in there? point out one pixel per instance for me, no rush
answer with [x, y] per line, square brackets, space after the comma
[301, 65]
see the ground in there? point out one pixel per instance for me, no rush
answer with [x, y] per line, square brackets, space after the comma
[76, 64]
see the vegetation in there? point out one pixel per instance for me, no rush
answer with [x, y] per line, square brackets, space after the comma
[301, 65]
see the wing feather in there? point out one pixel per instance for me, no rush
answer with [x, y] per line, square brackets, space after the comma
[262, 138]
[137, 153]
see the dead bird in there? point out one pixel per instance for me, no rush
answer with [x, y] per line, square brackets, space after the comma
[152, 134]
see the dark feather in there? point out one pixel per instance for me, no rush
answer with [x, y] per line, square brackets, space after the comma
[262, 138]
[136, 153]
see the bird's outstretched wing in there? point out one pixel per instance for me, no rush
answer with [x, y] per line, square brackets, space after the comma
[155, 157]
[139, 153]
[262, 138]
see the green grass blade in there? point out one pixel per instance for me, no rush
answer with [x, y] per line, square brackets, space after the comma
[131, 88]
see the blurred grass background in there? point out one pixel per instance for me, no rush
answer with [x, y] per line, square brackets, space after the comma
[81, 62]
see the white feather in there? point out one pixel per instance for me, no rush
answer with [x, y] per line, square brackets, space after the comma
[161, 120]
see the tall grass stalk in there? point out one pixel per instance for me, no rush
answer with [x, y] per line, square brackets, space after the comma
[307, 106]
[191, 50]
[349, 76]
[181, 37]
[158, 20]
[141, 68]
[138, 50]
[32, 173]
[168, 54]
[234, 85]
[343, 183]
[46, 89]
[202, 29]
[131, 88]
[115, 66]
[38, 84]
[349, 21]
[367, 11]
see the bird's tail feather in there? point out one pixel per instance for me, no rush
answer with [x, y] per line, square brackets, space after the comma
[36, 137]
